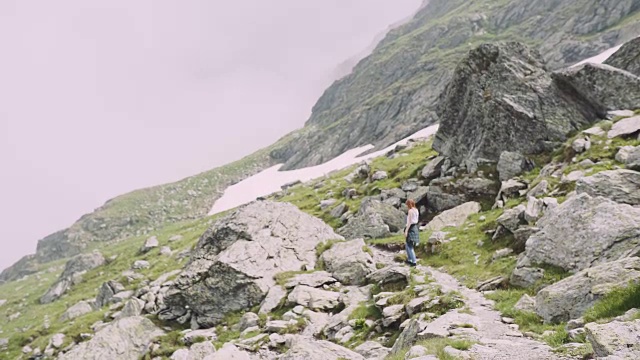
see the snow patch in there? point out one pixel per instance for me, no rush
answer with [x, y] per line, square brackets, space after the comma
[270, 180]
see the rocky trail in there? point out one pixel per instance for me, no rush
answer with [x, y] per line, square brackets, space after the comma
[495, 339]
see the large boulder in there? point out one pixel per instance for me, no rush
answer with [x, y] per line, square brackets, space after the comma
[585, 231]
[625, 128]
[432, 170]
[77, 310]
[125, 339]
[301, 347]
[615, 340]
[627, 57]
[454, 217]
[232, 267]
[349, 262]
[571, 297]
[621, 186]
[374, 220]
[72, 273]
[501, 98]
[606, 87]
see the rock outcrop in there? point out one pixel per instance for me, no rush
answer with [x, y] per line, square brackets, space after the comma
[615, 340]
[233, 264]
[585, 231]
[374, 220]
[621, 186]
[570, 298]
[72, 274]
[349, 262]
[501, 98]
[627, 58]
[125, 339]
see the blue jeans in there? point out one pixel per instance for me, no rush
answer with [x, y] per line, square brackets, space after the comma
[411, 253]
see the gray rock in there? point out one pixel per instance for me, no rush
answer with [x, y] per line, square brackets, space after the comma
[56, 341]
[595, 131]
[229, 352]
[121, 296]
[327, 203]
[392, 274]
[627, 57]
[581, 145]
[416, 351]
[621, 186]
[140, 264]
[499, 254]
[533, 211]
[248, 320]
[277, 326]
[76, 310]
[127, 338]
[150, 244]
[623, 154]
[392, 315]
[407, 337]
[633, 161]
[520, 236]
[133, 307]
[511, 164]
[572, 176]
[625, 127]
[234, 262]
[314, 279]
[410, 185]
[512, 219]
[348, 262]
[379, 175]
[165, 251]
[585, 231]
[615, 340]
[273, 299]
[439, 200]
[526, 303]
[526, 276]
[419, 194]
[73, 268]
[190, 336]
[454, 217]
[175, 238]
[540, 189]
[606, 87]
[372, 350]
[374, 220]
[312, 298]
[570, 297]
[432, 170]
[480, 99]
[339, 210]
[197, 351]
[511, 188]
[301, 347]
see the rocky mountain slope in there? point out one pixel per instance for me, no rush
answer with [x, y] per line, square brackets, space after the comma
[532, 253]
[389, 95]
[392, 93]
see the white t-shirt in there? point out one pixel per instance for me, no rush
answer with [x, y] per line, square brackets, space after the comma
[412, 216]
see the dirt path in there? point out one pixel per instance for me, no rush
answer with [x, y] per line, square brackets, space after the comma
[495, 339]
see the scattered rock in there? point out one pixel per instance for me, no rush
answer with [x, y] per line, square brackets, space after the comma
[301, 347]
[410, 185]
[56, 341]
[314, 279]
[372, 350]
[76, 310]
[339, 210]
[348, 262]
[150, 244]
[379, 175]
[407, 337]
[499, 254]
[595, 131]
[511, 219]
[432, 170]
[617, 340]
[132, 307]
[175, 238]
[622, 186]
[540, 189]
[533, 210]
[140, 264]
[72, 270]
[191, 335]
[493, 283]
[512, 164]
[248, 320]
[526, 277]
[526, 303]
[581, 145]
[374, 220]
[392, 274]
[229, 352]
[392, 315]
[416, 351]
[165, 251]
[625, 127]
[315, 299]
[454, 217]
[584, 231]
[570, 297]
[327, 203]
[127, 338]
[273, 299]
[234, 262]
[572, 176]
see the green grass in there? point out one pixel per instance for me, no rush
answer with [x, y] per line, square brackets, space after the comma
[366, 311]
[614, 304]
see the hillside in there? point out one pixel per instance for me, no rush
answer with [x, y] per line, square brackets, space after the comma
[392, 93]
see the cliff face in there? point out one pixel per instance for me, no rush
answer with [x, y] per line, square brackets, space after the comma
[392, 93]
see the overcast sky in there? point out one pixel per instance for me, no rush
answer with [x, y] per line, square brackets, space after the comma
[99, 98]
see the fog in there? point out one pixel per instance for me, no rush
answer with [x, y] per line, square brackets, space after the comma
[102, 97]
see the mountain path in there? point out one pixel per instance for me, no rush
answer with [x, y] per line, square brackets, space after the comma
[495, 340]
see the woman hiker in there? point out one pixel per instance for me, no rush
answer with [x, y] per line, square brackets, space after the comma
[412, 232]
